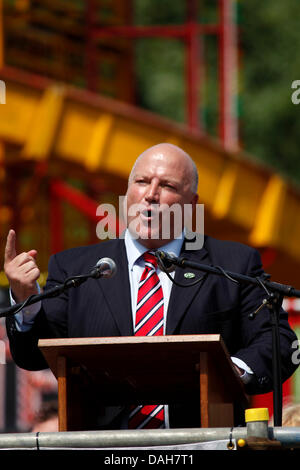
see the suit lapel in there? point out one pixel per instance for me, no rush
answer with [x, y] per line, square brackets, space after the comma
[117, 289]
[182, 297]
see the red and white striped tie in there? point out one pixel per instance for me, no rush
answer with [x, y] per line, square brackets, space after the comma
[149, 322]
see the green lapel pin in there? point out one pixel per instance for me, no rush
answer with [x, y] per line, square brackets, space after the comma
[189, 275]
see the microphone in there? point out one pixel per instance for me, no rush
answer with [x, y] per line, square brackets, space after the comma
[105, 267]
[165, 261]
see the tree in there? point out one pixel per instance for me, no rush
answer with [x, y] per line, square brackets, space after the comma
[269, 44]
[270, 124]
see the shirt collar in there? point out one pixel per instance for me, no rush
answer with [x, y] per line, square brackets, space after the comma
[135, 250]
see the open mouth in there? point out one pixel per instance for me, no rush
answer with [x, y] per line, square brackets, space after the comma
[150, 216]
[148, 213]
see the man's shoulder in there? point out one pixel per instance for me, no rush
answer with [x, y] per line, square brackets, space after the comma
[232, 254]
[227, 246]
[96, 247]
[215, 245]
[88, 254]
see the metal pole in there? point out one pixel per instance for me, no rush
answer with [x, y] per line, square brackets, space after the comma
[118, 439]
[192, 67]
[228, 74]
[150, 439]
[1, 36]
[92, 76]
[276, 358]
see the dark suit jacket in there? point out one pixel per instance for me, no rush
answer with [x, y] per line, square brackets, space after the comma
[102, 307]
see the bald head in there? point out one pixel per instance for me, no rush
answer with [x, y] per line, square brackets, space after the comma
[161, 185]
[173, 153]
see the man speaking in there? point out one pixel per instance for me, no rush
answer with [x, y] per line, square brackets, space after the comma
[142, 300]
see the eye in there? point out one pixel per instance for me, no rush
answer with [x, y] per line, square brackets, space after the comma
[141, 181]
[169, 186]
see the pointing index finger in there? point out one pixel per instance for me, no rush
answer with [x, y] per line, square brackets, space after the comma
[10, 248]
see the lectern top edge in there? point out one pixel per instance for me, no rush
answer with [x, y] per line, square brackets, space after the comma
[214, 338]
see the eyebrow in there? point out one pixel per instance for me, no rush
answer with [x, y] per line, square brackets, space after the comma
[162, 180]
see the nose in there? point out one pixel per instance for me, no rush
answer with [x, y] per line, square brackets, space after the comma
[152, 193]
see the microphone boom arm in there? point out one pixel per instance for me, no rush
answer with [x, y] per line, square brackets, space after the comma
[182, 262]
[104, 268]
[49, 293]
[274, 297]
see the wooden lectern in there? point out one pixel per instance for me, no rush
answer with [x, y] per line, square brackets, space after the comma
[156, 369]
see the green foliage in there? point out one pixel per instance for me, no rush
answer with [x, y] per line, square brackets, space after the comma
[161, 85]
[148, 12]
[270, 62]
[160, 62]
[270, 122]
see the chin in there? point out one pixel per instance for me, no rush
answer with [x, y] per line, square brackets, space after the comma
[149, 238]
[154, 243]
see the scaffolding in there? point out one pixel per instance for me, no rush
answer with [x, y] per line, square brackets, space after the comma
[71, 130]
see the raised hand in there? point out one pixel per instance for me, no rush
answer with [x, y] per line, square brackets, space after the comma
[21, 269]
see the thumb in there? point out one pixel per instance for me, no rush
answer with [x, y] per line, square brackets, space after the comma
[10, 248]
[32, 253]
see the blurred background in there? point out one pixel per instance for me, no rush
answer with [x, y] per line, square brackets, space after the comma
[91, 83]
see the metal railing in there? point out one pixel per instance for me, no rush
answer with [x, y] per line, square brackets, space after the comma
[166, 439]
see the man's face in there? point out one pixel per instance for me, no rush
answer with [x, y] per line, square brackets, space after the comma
[160, 179]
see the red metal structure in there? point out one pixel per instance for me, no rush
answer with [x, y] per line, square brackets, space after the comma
[78, 40]
[191, 33]
[98, 41]
[100, 35]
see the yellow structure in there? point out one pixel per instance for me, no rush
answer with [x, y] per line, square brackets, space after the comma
[244, 201]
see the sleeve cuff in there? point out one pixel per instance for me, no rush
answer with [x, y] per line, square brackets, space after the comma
[248, 373]
[25, 318]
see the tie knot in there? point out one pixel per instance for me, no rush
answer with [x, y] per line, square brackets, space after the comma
[151, 259]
